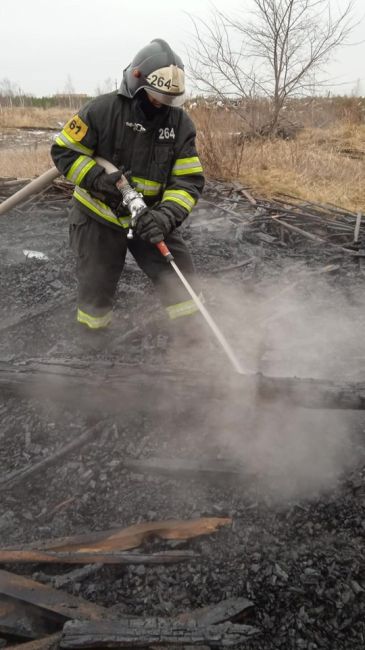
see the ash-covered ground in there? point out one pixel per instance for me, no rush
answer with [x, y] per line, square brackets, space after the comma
[294, 308]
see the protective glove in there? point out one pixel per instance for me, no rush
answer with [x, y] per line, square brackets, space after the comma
[153, 226]
[105, 184]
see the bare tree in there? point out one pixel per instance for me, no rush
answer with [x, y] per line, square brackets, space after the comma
[277, 53]
[106, 87]
[11, 93]
[69, 91]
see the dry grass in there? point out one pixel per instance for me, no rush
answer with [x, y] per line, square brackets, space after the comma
[25, 163]
[33, 117]
[320, 172]
[318, 164]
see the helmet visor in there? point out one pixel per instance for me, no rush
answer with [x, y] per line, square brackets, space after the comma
[166, 100]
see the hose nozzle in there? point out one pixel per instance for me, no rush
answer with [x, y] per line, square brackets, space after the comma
[133, 201]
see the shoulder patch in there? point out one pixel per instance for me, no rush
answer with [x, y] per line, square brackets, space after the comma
[76, 128]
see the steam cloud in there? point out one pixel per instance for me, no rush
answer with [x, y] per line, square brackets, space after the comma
[296, 330]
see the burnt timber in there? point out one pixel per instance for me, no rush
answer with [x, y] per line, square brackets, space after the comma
[96, 385]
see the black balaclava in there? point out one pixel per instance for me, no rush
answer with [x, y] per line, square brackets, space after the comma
[148, 109]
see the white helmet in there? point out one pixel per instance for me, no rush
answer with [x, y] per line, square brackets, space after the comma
[159, 71]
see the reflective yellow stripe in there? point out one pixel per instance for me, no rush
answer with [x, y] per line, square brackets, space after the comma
[79, 169]
[100, 208]
[64, 140]
[181, 309]
[146, 187]
[182, 197]
[187, 166]
[85, 170]
[94, 322]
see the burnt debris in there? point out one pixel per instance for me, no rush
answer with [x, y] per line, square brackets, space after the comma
[105, 434]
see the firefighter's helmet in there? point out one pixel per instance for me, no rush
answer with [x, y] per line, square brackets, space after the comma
[159, 71]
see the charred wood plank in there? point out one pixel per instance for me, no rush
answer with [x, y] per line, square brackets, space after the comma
[48, 557]
[50, 642]
[105, 546]
[98, 385]
[22, 621]
[116, 539]
[311, 236]
[34, 312]
[248, 196]
[94, 387]
[231, 609]
[41, 596]
[313, 393]
[324, 207]
[233, 267]
[218, 208]
[362, 263]
[153, 631]
[218, 470]
[76, 575]
[10, 480]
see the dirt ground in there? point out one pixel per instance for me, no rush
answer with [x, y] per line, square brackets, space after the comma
[296, 544]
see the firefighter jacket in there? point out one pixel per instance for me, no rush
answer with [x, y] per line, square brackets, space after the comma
[159, 151]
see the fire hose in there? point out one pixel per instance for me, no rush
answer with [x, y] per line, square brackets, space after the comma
[136, 206]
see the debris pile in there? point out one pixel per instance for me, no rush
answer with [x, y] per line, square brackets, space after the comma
[99, 434]
[33, 610]
[288, 218]
[53, 197]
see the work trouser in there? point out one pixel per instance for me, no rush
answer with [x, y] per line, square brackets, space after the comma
[100, 256]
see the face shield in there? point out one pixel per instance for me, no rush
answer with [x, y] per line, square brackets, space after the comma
[166, 100]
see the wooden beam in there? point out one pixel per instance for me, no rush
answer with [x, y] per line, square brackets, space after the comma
[36, 311]
[122, 539]
[216, 470]
[50, 642]
[43, 557]
[44, 597]
[315, 238]
[23, 621]
[95, 386]
[231, 609]
[105, 546]
[151, 632]
[13, 478]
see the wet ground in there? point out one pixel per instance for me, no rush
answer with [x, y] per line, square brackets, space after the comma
[296, 545]
[13, 138]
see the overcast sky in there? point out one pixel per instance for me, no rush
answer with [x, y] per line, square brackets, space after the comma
[44, 44]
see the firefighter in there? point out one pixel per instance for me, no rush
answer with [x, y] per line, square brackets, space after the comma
[143, 131]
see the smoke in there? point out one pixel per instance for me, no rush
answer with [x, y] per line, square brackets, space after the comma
[309, 331]
[289, 452]
[280, 327]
